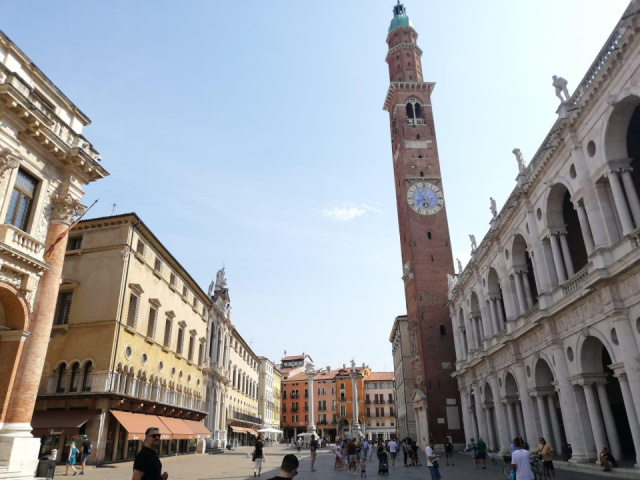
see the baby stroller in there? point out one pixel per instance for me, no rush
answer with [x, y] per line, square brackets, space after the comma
[414, 456]
[383, 464]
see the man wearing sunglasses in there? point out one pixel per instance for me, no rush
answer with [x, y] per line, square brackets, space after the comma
[289, 467]
[147, 465]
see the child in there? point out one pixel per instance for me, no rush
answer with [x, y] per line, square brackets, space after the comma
[363, 467]
[490, 455]
[71, 460]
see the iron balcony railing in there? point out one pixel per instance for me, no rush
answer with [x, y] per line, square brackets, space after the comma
[117, 383]
[246, 418]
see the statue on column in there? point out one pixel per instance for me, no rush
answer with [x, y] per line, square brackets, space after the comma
[493, 208]
[474, 246]
[210, 291]
[521, 166]
[560, 85]
[221, 281]
[459, 266]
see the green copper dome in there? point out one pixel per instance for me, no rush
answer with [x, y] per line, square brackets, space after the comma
[400, 18]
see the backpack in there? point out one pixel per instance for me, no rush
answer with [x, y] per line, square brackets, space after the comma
[88, 452]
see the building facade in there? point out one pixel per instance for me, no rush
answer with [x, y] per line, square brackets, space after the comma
[269, 391]
[218, 363]
[45, 162]
[380, 406]
[546, 313]
[127, 346]
[243, 420]
[404, 386]
[424, 232]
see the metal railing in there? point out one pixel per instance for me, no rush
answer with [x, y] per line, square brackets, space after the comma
[119, 384]
[247, 418]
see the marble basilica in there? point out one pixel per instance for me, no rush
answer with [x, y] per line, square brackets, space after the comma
[546, 315]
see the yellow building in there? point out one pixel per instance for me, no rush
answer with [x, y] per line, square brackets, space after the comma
[127, 346]
[277, 395]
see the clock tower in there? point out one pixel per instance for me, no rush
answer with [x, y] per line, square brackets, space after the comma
[424, 234]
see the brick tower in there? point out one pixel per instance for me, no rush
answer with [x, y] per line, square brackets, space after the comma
[424, 234]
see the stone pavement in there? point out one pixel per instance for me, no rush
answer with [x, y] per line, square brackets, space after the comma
[238, 465]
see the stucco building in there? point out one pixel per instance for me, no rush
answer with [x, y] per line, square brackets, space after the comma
[546, 314]
[269, 397]
[45, 162]
[380, 406]
[403, 385]
[127, 347]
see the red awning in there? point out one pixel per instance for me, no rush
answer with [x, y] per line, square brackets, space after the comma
[198, 428]
[59, 422]
[179, 429]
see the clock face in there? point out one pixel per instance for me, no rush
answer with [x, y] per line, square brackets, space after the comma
[425, 198]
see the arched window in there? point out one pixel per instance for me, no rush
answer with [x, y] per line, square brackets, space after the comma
[414, 112]
[86, 382]
[62, 370]
[443, 330]
[343, 411]
[73, 384]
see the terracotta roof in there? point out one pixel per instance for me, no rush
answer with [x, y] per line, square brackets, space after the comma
[297, 377]
[295, 357]
[380, 376]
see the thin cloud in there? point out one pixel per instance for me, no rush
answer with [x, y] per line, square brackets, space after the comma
[347, 211]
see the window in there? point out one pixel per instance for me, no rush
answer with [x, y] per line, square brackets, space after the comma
[151, 324]
[335, 418]
[333, 406]
[21, 201]
[443, 330]
[75, 243]
[86, 384]
[157, 265]
[343, 411]
[132, 313]
[284, 419]
[414, 112]
[201, 354]
[73, 383]
[63, 307]
[185, 292]
[192, 346]
[195, 302]
[140, 247]
[180, 346]
[167, 332]
[172, 279]
[62, 369]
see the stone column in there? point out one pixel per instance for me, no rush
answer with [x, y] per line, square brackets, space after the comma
[490, 429]
[629, 408]
[555, 423]
[527, 289]
[566, 253]
[354, 391]
[594, 417]
[632, 195]
[466, 413]
[494, 315]
[521, 430]
[525, 402]
[482, 426]
[511, 414]
[609, 422]
[501, 316]
[557, 258]
[503, 434]
[479, 330]
[472, 332]
[585, 227]
[621, 206]
[18, 449]
[547, 433]
[522, 302]
[311, 426]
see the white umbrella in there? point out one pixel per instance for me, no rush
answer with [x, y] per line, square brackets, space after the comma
[269, 430]
[305, 434]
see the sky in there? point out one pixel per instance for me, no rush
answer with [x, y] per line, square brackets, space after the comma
[251, 134]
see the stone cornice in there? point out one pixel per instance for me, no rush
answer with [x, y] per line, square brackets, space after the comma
[401, 29]
[401, 46]
[405, 86]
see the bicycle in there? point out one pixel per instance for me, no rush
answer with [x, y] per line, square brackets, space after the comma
[506, 470]
[537, 467]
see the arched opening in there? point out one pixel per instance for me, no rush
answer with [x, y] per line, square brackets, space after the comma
[60, 385]
[496, 301]
[546, 406]
[414, 112]
[523, 270]
[476, 321]
[610, 415]
[514, 407]
[86, 377]
[567, 244]
[474, 415]
[491, 420]
[73, 383]
[463, 334]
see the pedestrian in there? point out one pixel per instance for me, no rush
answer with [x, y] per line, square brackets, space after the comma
[521, 461]
[482, 452]
[546, 451]
[473, 449]
[85, 451]
[405, 452]
[337, 449]
[289, 467]
[258, 457]
[147, 464]
[363, 467]
[448, 451]
[71, 459]
[313, 446]
[432, 461]
[393, 449]
[490, 456]
[352, 451]
[299, 447]
[606, 460]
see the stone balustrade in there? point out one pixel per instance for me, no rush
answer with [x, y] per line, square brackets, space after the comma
[18, 240]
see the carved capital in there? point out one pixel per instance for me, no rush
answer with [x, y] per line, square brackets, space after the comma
[65, 207]
[8, 160]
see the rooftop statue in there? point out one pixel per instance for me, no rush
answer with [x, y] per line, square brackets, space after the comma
[521, 166]
[493, 208]
[560, 85]
[474, 246]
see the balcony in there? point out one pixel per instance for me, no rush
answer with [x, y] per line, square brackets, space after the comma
[20, 241]
[116, 383]
[295, 409]
[247, 418]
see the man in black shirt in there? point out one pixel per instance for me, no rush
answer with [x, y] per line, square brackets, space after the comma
[147, 465]
[289, 467]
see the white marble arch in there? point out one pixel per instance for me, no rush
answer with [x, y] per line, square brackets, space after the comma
[613, 134]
